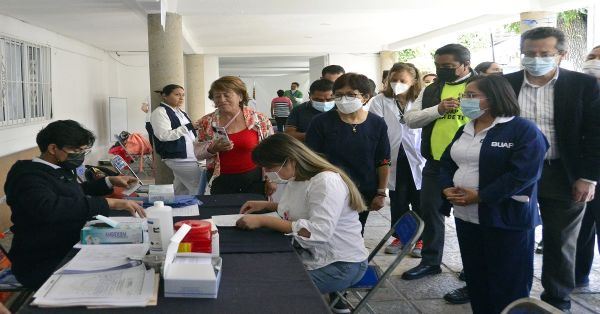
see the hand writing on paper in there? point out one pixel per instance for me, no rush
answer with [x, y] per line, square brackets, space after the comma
[249, 222]
[253, 206]
[133, 207]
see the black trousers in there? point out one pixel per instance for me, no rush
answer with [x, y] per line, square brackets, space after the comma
[590, 227]
[405, 195]
[362, 217]
[281, 121]
[562, 220]
[498, 264]
[431, 201]
[247, 182]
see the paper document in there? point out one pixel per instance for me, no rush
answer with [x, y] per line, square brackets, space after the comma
[103, 257]
[230, 220]
[129, 287]
[132, 188]
[191, 210]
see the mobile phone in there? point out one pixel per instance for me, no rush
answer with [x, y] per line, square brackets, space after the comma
[221, 133]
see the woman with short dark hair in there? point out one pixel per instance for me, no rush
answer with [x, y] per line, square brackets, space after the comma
[489, 175]
[354, 139]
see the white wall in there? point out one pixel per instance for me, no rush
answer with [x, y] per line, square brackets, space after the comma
[316, 66]
[363, 63]
[83, 77]
[266, 88]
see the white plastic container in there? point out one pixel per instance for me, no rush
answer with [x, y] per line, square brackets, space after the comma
[160, 227]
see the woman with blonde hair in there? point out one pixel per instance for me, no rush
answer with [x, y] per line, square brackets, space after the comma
[402, 87]
[319, 206]
[227, 136]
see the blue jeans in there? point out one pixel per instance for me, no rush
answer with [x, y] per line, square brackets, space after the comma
[338, 276]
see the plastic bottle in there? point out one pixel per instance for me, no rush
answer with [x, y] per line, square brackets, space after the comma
[160, 227]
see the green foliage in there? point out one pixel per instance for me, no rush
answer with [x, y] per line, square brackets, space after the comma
[473, 40]
[513, 27]
[567, 17]
[407, 54]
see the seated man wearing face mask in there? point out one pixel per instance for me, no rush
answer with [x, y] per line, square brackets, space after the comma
[321, 100]
[48, 206]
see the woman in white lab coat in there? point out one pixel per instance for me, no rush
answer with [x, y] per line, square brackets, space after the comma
[401, 89]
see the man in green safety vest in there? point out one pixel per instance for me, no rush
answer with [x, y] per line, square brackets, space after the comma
[437, 111]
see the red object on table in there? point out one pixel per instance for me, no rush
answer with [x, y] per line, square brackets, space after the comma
[198, 239]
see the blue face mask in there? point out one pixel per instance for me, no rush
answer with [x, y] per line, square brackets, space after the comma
[323, 106]
[470, 108]
[538, 66]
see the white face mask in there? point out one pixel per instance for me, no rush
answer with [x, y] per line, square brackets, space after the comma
[592, 67]
[348, 106]
[399, 88]
[274, 177]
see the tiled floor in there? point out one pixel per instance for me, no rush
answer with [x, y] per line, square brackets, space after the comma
[425, 295]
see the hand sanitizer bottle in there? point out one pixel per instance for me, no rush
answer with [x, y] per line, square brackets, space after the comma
[160, 227]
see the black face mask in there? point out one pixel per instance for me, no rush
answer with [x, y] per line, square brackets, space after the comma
[73, 161]
[446, 74]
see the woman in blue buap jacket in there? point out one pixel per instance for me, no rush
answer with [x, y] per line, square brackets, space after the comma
[489, 176]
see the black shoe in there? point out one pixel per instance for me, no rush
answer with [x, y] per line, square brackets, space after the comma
[421, 271]
[540, 248]
[560, 304]
[458, 296]
[461, 275]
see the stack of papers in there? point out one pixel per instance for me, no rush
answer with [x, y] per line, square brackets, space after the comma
[103, 275]
[133, 286]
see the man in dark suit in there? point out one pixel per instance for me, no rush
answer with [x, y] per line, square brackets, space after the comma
[566, 107]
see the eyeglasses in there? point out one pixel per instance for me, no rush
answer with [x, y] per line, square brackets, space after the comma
[471, 95]
[78, 151]
[531, 54]
[349, 96]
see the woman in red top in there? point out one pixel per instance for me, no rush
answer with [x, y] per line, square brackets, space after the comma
[229, 159]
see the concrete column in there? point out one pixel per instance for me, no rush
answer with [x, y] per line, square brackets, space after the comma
[535, 19]
[386, 60]
[165, 54]
[593, 26]
[195, 93]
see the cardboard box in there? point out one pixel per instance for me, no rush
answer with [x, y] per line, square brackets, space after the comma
[190, 275]
[98, 232]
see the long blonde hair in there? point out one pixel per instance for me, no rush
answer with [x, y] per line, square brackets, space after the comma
[276, 149]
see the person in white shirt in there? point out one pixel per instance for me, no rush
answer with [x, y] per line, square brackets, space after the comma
[401, 88]
[319, 207]
[174, 135]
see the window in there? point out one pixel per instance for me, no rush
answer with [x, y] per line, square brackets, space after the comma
[25, 86]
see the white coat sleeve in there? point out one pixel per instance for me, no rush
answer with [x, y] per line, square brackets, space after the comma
[417, 117]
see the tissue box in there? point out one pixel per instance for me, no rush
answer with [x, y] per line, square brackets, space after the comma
[98, 232]
[163, 192]
[190, 275]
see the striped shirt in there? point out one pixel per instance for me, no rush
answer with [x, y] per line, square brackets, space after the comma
[281, 107]
[537, 105]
